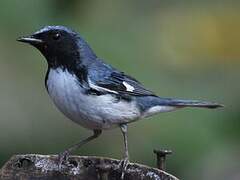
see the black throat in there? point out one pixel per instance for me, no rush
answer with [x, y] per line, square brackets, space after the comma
[72, 63]
[75, 59]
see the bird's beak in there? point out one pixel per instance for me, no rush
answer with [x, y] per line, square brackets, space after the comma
[30, 39]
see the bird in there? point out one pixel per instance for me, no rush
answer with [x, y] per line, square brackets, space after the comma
[91, 92]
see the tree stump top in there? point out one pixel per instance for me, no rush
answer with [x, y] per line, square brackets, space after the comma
[35, 167]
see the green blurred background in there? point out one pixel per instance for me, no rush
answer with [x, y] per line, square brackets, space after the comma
[187, 49]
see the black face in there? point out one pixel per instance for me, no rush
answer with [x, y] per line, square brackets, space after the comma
[56, 43]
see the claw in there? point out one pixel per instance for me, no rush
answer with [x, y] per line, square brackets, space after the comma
[62, 159]
[123, 166]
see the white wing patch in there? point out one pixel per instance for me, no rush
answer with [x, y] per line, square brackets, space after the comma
[98, 88]
[128, 87]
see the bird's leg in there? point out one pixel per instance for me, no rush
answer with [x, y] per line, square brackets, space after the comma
[64, 155]
[125, 161]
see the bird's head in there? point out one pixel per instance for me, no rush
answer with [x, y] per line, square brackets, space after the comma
[60, 45]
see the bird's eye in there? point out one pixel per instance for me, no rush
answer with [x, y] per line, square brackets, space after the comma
[56, 36]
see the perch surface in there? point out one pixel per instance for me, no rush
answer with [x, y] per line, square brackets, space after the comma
[45, 167]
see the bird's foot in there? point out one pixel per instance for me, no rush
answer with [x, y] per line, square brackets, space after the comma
[63, 159]
[123, 166]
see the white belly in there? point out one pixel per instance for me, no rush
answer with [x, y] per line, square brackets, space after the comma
[90, 111]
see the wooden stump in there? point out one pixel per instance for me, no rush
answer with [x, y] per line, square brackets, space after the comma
[45, 167]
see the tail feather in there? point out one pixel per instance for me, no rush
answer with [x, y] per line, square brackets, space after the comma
[153, 105]
[189, 103]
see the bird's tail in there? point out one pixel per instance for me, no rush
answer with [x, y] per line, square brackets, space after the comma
[153, 105]
[188, 103]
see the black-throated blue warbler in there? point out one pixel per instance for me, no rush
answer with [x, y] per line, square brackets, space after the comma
[92, 93]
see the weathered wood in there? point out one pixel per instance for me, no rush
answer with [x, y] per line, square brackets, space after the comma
[45, 167]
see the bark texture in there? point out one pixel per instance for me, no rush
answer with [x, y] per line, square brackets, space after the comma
[45, 167]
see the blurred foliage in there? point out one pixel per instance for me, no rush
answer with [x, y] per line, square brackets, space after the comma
[187, 49]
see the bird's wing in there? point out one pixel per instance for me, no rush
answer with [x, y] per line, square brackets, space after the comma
[107, 79]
